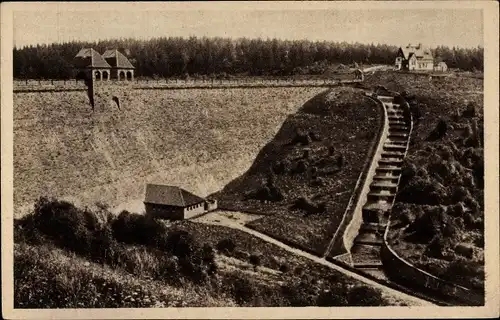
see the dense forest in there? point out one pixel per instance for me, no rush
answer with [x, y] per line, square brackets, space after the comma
[180, 57]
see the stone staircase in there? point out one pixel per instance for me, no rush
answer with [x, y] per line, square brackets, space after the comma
[365, 251]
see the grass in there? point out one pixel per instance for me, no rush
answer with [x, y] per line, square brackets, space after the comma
[48, 277]
[182, 137]
[50, 271]
[340, 118]
[452, 165]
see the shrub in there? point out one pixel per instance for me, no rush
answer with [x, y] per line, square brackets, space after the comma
[456, 210]
[470, 111]
[281, 167]
[460, 193]
[365, 296]
[283, 268]
[299, 293]
[307, 205]
[428, 225]
[269, 192]
[314, 136]
[242, 290]
[226, 246]
[408, 172]
[464, 250]
[137, 229]
[255, 260]
[421, 190]
[62, 222]
[180, 243]
[301, 138]
[301, 166]
[332, 297]
[340, 161]
[438, 132]
[462, 270]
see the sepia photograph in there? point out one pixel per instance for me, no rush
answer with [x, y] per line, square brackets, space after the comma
[199, 159]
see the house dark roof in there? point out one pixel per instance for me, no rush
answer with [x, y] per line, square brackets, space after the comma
[170, 195]
[89, 58]
[420, 52]
[116, 59]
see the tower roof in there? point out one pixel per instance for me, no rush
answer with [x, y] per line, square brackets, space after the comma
[116, 59]
[89, 58]
[418, 50]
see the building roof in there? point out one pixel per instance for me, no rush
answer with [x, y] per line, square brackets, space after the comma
[420, 52]
[170, 195]
[89, 58]
[116, 59]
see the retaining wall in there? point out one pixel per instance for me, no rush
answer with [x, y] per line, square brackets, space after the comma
[404, 272]
[353, 227]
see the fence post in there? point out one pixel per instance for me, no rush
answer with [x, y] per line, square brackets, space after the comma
[52, 81]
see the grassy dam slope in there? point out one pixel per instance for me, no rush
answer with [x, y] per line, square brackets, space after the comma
[197, 139]
[313, 162]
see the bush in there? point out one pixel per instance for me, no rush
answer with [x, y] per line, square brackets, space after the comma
[340, 161]
[138, 229]
[460, 193]
[242, 290]
[422, 190]
[255, 260]
[332, 297]
[62, 222]
[307, 205]
[301, 167]
[301, 138]
[226, 246]
[470, 111]
[439, 132]
[365, 296]
[180, 243]
[299, 293]
[284, 268]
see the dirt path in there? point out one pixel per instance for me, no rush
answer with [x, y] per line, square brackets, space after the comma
[236, 220]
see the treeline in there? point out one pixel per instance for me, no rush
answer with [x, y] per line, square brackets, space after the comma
[174, 57]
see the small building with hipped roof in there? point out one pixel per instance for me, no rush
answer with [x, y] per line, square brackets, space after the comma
[91, 65]
[122, 68]
[174, 203]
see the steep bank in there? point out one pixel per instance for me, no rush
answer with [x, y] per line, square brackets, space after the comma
[312, 164]
[183, 137]
[439, 208]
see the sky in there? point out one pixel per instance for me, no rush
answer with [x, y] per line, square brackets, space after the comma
[287, 20]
